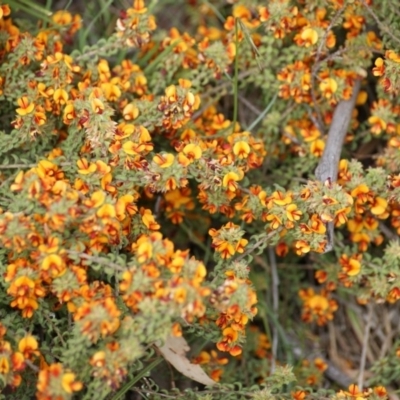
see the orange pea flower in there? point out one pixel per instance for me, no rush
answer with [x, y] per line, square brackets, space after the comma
[25, 107]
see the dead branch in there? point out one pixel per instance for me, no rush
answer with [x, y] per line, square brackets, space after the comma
[328, 165]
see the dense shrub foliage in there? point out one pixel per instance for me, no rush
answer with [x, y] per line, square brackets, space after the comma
[224, 171]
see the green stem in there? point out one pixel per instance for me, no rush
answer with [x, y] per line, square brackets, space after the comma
[105, 7]
[145, 59]
[194, 239]
[31, 9]
[216, 11]
[285, 343]
[121, 393]
[32, 5]
[263, 114]
[149, 69]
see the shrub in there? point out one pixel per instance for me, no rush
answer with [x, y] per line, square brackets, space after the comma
[231, 178]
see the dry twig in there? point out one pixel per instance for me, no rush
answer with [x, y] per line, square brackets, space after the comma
[275, 303]
[328, 166]
[364, 347]
[332, 372]
[381, 24]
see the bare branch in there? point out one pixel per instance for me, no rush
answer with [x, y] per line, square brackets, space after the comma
[275, 303]
[328, 165]
[364, 347]
[332, 372]
[381, 25]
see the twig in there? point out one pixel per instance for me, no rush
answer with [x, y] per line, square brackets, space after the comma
[31, 365]
[379, 22]
[249, 105]
[393, 8]
[328, 29]
[293, 139]
[220, 391]
[50, 322]
[157, 206]
[13, 166]
[263, 114]
[97, 51]
[215, 10]
[364, 347]
[328, 165]
[16, 166]
[333, 354]
[318, 122]
[275, 303]
[100, 260]
[8, 180]
[258, 244]
[332, 372]
[129, 385]
[387, 232]
[192, 237]
[235, 79]
[387, 334]
[288, 111]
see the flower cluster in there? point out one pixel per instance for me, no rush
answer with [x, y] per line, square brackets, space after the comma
[317, 306]
[233, 305]
[311, 372]
[14, 361]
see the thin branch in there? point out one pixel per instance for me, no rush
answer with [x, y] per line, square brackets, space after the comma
[263, 114]
[394, 10]
[220, 391]
[99, 260]
[31, 365]
[192, 237]
[289, 109]
[235, 79]
[96, 51]
[215, 10]
[249, 105]
[328, 29]
[258, 244]
[387, 232]
[17, 166]
[363, 357]
[275, 303]
[50, 322]
[381, 25]
[24, 166]
[8, 180]
[332, 372]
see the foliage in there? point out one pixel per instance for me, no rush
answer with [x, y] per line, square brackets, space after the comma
[157, 179]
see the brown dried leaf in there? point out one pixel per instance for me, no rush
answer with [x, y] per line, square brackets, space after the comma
[174, 351]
